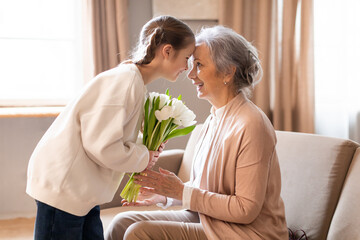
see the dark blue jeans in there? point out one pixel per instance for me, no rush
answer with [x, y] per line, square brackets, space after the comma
[54, 224]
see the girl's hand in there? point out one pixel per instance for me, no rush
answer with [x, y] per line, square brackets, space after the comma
[145, 199]
[154, 155]
[164, 183]
[162, 146]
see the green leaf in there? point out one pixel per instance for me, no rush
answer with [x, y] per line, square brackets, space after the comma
[169, 129]
[146, 109]
[157, 103]
[151, 147]
[154, 138]
[180, 132]
[167, 92]
[179, 97]
[146, 120]
[162, 133]
[152, 119]
[164, 125]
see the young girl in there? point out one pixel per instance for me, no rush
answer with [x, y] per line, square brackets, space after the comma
[80, 161]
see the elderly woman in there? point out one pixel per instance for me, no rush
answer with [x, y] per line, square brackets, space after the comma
[234, 191]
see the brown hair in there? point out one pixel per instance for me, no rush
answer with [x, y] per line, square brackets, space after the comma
[161, 30]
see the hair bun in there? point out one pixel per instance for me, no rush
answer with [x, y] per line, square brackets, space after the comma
[253, 69]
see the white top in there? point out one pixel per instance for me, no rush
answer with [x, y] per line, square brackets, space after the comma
[199, 160]
[81, 159]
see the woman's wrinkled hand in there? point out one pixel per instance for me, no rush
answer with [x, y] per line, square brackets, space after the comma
[164, 183]
[145, 198]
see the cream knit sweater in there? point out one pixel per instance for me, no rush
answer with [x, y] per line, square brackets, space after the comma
[80, 161]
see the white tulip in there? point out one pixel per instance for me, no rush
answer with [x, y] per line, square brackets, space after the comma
[152, 97]
[164, 99]
[164, 114]
[182, 115]
[189, 119]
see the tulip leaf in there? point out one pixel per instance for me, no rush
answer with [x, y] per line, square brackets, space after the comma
[146, 119]
[157, 103]
[180, 132]
[152, 118]
[165, 126]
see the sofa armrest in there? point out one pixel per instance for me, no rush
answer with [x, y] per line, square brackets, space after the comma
[170, 160]
[346, 219]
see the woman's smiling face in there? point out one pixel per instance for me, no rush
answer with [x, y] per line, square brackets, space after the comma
[205, 75]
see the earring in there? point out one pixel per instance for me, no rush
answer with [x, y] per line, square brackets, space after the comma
[225, 82]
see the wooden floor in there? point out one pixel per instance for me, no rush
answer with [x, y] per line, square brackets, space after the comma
[19, 228]
[23, 228]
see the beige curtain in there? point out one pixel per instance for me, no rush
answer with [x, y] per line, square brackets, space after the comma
[110, 35]
[282, 31]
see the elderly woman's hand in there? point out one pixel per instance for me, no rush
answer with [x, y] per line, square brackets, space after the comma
[163, 183]
[145, 199]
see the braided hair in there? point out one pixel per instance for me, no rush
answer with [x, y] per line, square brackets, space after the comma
[158, 31]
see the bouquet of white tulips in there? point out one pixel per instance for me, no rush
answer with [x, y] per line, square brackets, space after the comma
[163, 116]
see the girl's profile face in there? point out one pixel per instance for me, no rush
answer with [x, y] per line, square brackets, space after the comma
[178, 62]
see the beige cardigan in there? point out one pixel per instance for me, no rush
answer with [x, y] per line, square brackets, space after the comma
[239, 195]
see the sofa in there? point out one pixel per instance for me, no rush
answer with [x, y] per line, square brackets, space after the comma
[320, 183]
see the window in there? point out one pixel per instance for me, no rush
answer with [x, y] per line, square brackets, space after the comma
[40, 51]
[337, 76]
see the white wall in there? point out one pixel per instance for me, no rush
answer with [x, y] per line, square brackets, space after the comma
[19, 136]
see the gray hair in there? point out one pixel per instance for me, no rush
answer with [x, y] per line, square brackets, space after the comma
[229, 49]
